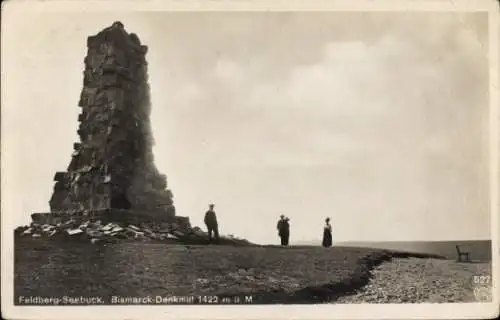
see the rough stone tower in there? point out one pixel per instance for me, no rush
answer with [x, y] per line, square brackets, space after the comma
[112, 166]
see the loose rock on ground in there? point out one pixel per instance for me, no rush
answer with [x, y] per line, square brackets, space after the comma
[423, 280]
[98, 232]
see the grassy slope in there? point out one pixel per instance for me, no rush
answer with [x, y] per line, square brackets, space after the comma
[272, 274]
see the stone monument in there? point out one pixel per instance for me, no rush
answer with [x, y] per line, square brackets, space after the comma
[112, 170]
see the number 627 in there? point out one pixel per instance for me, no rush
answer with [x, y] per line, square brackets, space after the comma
[481, 279]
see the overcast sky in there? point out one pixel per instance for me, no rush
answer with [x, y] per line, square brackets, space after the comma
[377, 120]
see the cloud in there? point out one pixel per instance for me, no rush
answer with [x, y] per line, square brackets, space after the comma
[375, 96]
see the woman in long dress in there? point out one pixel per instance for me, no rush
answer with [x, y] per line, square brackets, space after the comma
[327, 234]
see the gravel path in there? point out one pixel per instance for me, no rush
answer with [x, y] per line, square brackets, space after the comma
[424, 280]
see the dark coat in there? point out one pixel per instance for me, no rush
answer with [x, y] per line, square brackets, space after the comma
[210, 219]
[327, 236]
[283, 228]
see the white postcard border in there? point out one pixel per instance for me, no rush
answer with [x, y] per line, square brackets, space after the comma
[14, 9]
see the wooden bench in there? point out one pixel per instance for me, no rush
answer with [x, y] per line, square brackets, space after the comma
[461, 254]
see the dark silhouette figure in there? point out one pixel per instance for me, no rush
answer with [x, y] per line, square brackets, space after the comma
[280, 228]
[327, 234]
[287, 231]
[211, 223]
[284, 230]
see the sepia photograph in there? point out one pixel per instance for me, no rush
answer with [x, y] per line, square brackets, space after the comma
[251, 158]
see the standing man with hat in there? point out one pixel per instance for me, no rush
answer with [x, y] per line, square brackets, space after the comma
[283, 230]
[211, 223]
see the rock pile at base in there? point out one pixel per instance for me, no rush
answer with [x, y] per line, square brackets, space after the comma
[111, 232]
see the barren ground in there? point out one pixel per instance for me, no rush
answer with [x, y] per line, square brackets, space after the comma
[425, 280]
[270, 274]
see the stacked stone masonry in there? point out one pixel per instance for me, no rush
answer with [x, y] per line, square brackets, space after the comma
[112, 166]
